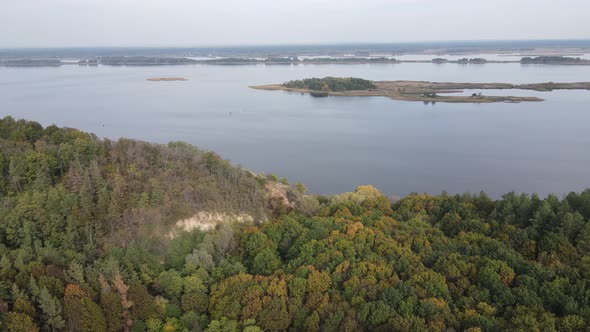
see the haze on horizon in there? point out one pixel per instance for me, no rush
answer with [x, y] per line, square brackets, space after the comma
[74, 23]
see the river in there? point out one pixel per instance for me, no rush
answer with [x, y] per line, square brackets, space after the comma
[331, 144]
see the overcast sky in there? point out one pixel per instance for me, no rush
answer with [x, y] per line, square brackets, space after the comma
[43, 23]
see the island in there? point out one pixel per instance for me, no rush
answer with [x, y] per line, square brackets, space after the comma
[88, 62]
[31, 63]
[145, 61]
[477, 61]
[554, 60]
[415, 90]
[296, 60]
[166, 79]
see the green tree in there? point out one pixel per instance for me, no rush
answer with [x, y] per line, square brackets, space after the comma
[266, 262]
[171, 283]
[583, 241]
[222, 325]
[197, 301]
[17, 322]
[52, 310]
[113, 310]
[274, 316]
[143, 303]
[93, 319]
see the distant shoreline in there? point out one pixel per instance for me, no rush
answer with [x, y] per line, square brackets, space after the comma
[323, 62]
[549, 58]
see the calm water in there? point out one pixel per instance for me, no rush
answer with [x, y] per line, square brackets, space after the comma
[331, 144]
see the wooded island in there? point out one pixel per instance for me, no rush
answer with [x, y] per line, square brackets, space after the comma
[416, 90]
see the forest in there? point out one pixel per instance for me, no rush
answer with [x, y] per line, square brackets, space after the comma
[83, 247]
[331, 84]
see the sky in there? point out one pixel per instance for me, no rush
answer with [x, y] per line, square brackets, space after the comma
[79, 23]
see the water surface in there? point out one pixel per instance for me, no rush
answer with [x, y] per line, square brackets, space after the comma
[331, 144]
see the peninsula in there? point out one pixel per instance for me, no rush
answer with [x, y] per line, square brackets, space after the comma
[416, 90]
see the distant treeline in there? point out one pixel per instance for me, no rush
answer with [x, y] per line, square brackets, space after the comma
[295, 59]
[461, 61]
[157, 61]
[143, 61]
[552, 60]
[331, 84]
[30, 63]
[361, 60]
[473, 61]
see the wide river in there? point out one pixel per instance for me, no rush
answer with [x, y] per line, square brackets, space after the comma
[331, 144]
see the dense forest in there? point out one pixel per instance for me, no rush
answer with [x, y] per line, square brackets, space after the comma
[331, 84]
[83, 247]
